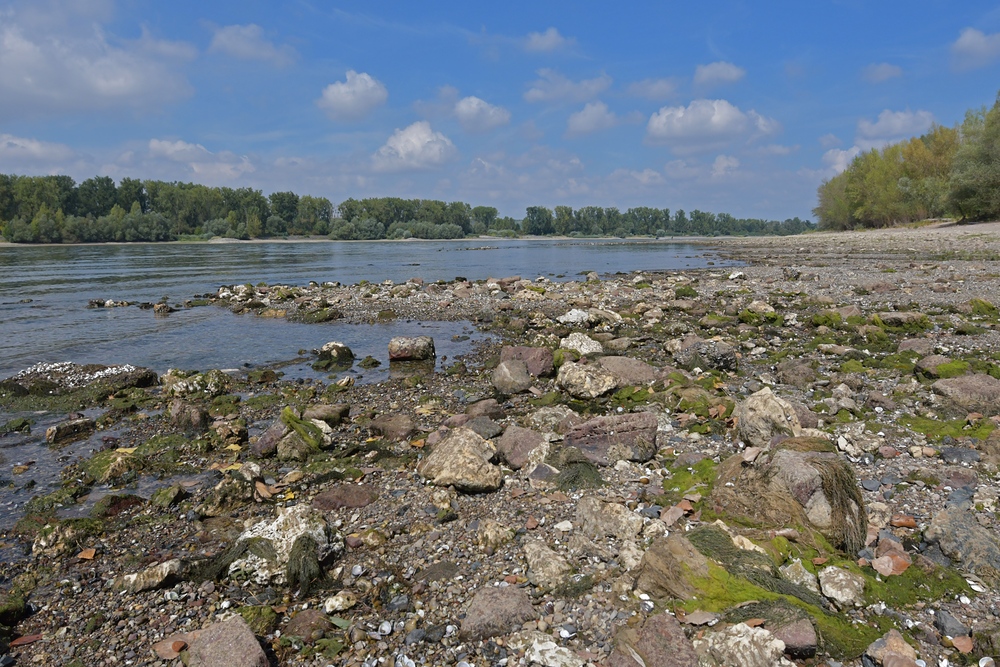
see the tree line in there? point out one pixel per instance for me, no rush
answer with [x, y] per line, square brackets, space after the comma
[947, 172]
[55, 209]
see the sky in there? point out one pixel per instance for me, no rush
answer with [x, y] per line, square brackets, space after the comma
[729, 106]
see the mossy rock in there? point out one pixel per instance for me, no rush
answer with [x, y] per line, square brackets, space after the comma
[685, 292]
[262, 619]
[369, 362]
[321, 315]
[936, 429]
[112, 505]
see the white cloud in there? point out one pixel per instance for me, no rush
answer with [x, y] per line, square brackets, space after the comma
[777, 149]
[829, 140]
[594, 116]
[58, 62]
[680, 169]
[477, 115]
[838, 159]
[414, 147]
[723, 165]
[706, 124]
[554, 87]
[19, 150]
[209, 168]
[974, 48]
[880, 72]
[893, 126]
[653, 89]
[354, 98]
[247, 42]
[644, 177]
[542, 42]
[718, 73]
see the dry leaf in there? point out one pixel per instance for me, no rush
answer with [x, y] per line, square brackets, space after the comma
[126, 450]
[87, 554]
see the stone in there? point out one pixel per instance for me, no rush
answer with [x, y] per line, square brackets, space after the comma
[948, 625]
[162, 574]
[975, 392]
[293, 447]
[488, 407]
[799, 638]
[891, 643]
[334, 356]
[511, 377]
[211, 383]
[462, 459]
[666, 565]
[187, 416]
[583, 344]
[901, 318]
[797, 573]
[575, 316]
[928, 365]
[333, 415]
[516, 445]
[796, 372]
[605, 440]
[310, 624]
[762, 416]
[230, 643]
[538, 360]
[585, 381]
[484, 426]
[546, 568]
[69, 430]
[921, 346]
[416, 348]
[346, 495]
[547, 653]
[266, 445]
[741, 646]
[598, 518]
[393, 427]
[290, 524]
[168, 496]
[491, 535]
[496, 611]
[841, 586]
[707, 355]
[963, 539]
[342, 601]
[658, 642]
[631, 372]
[553, 418]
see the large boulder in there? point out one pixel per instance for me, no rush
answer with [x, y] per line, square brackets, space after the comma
[539, 360]
[462, 459]
[666, 567]
[658, 642]
[606, 440]
[741, 646]
[976, 392]
[764, 415]
[334, 356]
[411, 348]
[963, 539]
[585, 380]
[803, 481]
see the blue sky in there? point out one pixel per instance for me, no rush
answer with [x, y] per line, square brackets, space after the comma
[735, 106]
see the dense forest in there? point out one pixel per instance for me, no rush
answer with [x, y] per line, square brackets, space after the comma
[948, 172]
[55, 209]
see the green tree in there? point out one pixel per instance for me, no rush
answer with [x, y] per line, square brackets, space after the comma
[537, 221]
[975, 176]
[96, 196]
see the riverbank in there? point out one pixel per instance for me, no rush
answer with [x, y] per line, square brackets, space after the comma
[551, 498]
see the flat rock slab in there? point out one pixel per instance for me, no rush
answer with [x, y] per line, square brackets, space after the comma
[976, 392]
[538, 360]
[659, 642]
[631, 371]
[230, 643]
[496, 611]
[605, 440]
[346, 495]
[963, 539]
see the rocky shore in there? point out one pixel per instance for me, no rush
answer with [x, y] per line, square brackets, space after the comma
[791, 462]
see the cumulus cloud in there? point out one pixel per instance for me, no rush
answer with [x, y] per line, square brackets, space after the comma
[594, 116]
[247, 42]
[974, 48]
[554, 87]
[477, 115]
[354, 98]
[413, 148]
[706, 124]
[542, 42]
[829, 140]
[718, 73]
[893, 126]
[838, 159]
[209, 167]
[644, 177]
[20, 150]
[723, 165]
[880, 72]
[777, 149]
[653, 89]
[48, 65]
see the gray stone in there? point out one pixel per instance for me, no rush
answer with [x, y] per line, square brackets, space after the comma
[346, 495]
[334, 356]
[266, 444]
[230, 643]
[488, 407]
[187, 416]
[963, 539]
[462, 459]
[976, 392]
[69, 430]
[921, 346]
[841, 586]
[631, 372]
[581, 343]
[585, 381]
[293, 447]
[309, 624]
[948, 625]
[517, 443]
[393, 427]
[511, 377]
[797, 573]
[796, 372]
[598, 518]
[484, 426]
[928, 365]
[666, 566]
[764, 415]
[496, 611]
[557, 418]
[799, 638]
[162, 574]
[416, 348]
[741, 646]
[605, 440]
[331, 414]
[707, 355]
[546, 568]
[659, 642]
[539, 360]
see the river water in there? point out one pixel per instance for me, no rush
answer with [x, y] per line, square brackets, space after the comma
[44, 291]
